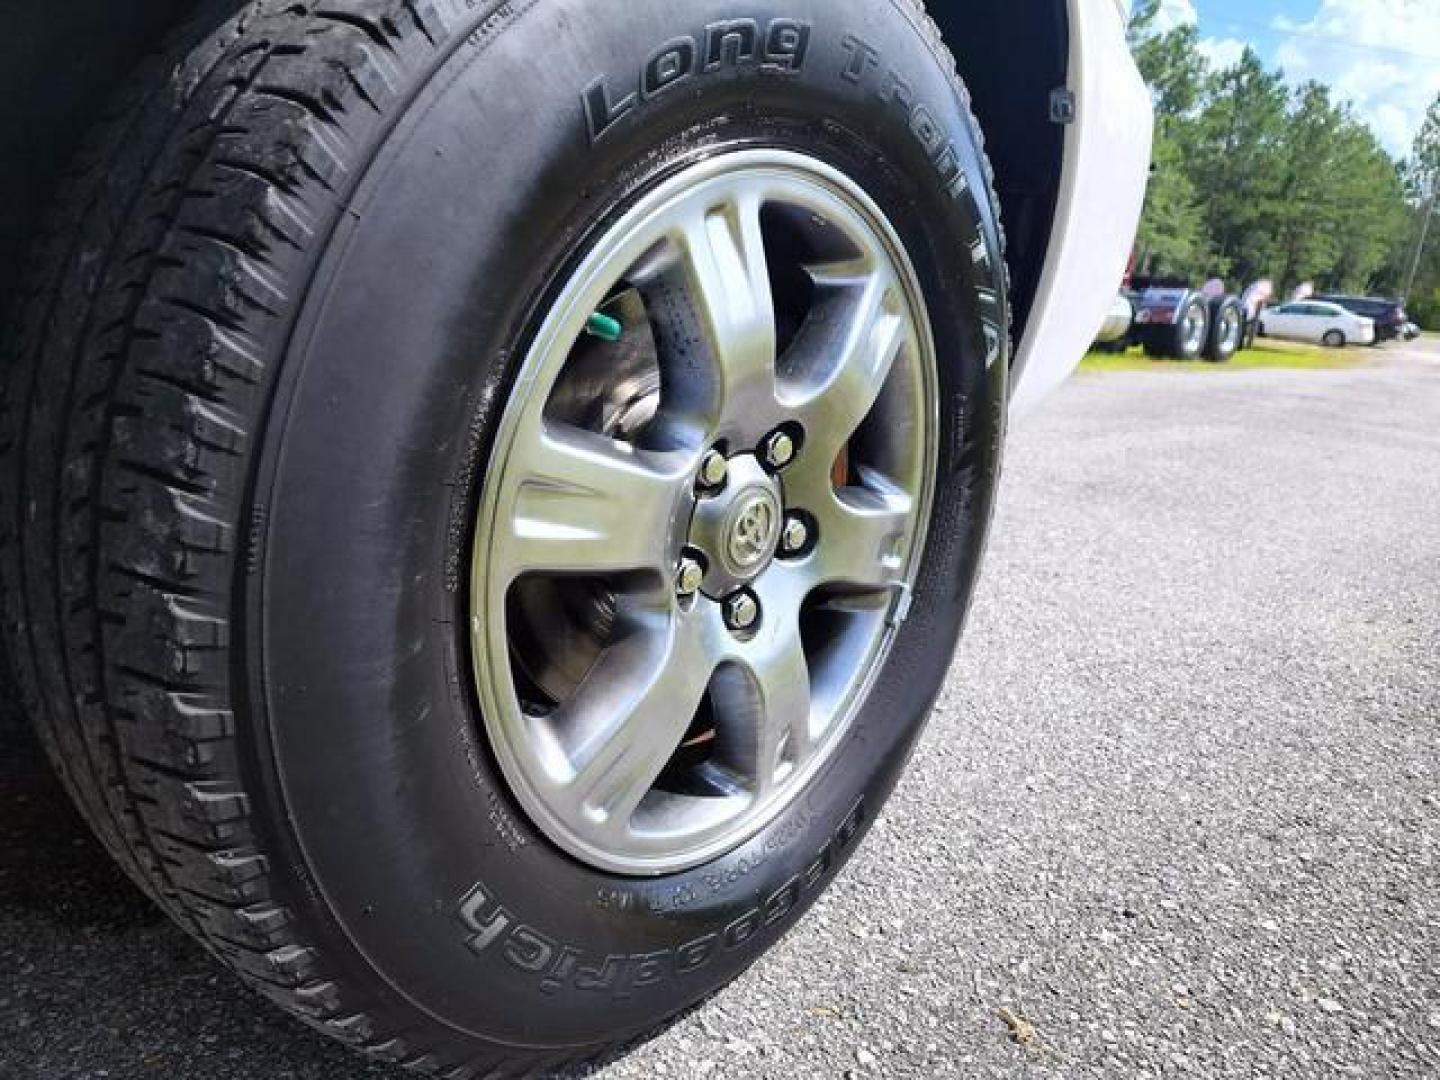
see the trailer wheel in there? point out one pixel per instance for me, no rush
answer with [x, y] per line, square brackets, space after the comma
[1227, 327]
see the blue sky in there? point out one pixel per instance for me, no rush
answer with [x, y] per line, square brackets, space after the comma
[1381, 55]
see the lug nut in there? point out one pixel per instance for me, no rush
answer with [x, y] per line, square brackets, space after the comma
[689, 577]
[778, 450]
[713, 470]
[742, 611]
[795, 536]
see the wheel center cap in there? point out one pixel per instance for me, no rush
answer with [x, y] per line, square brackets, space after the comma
[752, 529]
[738, 529]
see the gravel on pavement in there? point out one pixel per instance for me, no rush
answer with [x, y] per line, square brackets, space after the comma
[1178, 812]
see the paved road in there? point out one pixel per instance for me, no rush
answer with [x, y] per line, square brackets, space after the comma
[1179, 812]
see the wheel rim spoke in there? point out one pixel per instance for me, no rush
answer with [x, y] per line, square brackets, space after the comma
[836, 372]
[764, 703]
[864, 529]
[628, 718]
[727, 280]
[586, 504]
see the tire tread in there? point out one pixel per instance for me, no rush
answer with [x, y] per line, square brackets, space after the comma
[132, 386]
[133, 390]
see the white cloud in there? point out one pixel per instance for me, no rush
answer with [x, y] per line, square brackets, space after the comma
[1222, 52]
[1381, 55]
[1175, 13]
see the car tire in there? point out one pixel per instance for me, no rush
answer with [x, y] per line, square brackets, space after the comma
[275, 331]
[1333, 339]
[1226, 332]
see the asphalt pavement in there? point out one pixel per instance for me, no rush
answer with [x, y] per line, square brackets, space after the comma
[1178, 813]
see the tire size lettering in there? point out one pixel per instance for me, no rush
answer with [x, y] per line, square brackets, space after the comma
[491, 929]
[864, 66]
[780, 48]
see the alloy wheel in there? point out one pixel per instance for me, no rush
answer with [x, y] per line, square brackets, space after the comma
[704, 511]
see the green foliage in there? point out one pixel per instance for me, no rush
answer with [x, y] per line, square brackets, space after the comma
[1425, 309]
[1417, 265]
[1425, 161]
[1172, 231]
[1371, 195]
[1172, 67]
[1341, 204]
[1252, 180]
[1235, 152]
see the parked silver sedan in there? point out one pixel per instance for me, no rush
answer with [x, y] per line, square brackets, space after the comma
[1318, 321]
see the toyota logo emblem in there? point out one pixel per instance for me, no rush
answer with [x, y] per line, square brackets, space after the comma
[753, 530]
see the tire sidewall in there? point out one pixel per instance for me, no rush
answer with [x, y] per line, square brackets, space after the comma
[421, 871]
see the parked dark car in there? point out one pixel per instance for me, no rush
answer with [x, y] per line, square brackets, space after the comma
[1389, 315]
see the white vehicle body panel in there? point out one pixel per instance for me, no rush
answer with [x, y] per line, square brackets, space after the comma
[1311, 320]
[1102, 191]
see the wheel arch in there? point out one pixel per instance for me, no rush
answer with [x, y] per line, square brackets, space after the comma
[1012, 65]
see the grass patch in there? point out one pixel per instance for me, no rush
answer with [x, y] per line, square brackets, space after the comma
[1267, 353]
